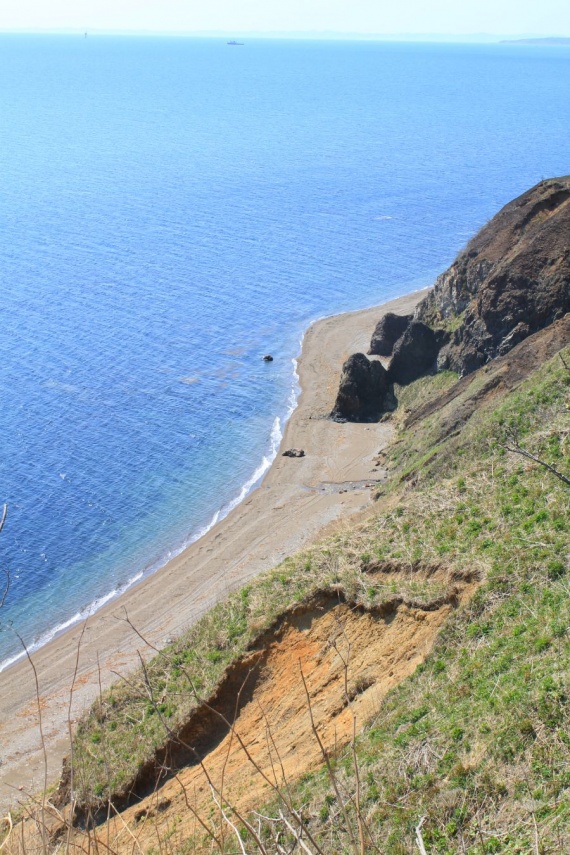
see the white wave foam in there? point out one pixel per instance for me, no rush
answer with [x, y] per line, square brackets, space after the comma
[275, 438]
[80, 616]
[275, 441]
[252, 481]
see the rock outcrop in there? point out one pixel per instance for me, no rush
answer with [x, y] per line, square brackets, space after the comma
[388, 330]
[363, 390]
[512, 279]
[415, 354]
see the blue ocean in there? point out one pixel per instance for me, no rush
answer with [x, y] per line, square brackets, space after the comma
[173, 209]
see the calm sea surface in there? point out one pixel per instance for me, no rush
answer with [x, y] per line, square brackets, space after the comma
[171, 210]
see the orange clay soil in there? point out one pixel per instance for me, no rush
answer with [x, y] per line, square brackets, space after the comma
[349, 657]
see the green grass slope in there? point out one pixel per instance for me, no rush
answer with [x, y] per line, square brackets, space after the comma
[477, 741]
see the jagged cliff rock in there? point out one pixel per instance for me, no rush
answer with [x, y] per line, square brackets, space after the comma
[363, 390]
[512, 279]
[388, 331]
[415, 353]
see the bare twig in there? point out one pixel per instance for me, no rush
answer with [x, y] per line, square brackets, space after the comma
[419, 838]
[3, 519]
[281, 794]
[127, 829]
[8, 817]
[173, 736]
[536, 838]
[230, 742]
[5, 572]
[345, 665]
[229, 822]
[330, 770]
[71, 745]
[362, 825]
[296, 834]
[196, 815]
[516, 448]
[45, 846]
[69, 709]
[357, 779]
[107, 769]
[270, 739]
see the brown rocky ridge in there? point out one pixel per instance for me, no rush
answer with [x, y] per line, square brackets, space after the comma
[511, 280]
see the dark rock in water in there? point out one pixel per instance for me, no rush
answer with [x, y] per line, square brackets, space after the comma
[512, 279]
[388, 331]
[415, 354]
[293, 452]
[268, 358]
[362, 392]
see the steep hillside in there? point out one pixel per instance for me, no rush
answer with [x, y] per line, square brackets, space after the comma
[402, 685]
[512, 279]
[475, 739]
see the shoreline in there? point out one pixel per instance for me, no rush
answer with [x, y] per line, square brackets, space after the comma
[296, 500]
[140, 576]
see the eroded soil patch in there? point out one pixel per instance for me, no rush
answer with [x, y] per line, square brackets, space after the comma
[255, 733]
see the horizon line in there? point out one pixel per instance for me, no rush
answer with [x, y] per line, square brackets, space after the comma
[287, 34]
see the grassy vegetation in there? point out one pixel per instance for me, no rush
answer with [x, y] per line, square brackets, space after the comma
[478, 739]
[125, 726]
[422, 391]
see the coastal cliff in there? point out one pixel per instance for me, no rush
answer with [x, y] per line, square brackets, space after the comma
[435, 628]
[511, 280]
[403, 677]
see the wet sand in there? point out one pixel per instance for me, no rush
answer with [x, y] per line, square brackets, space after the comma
[298, 499]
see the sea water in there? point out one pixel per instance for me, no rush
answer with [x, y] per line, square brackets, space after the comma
[173, 209]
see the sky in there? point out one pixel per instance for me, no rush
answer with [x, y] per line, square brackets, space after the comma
[446, 17]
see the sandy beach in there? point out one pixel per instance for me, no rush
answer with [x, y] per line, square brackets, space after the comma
[298, 499]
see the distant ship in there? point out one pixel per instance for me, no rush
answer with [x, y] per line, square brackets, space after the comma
[240, 44]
